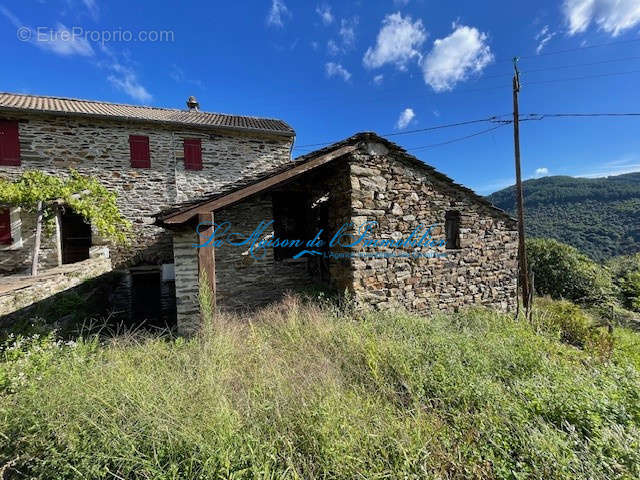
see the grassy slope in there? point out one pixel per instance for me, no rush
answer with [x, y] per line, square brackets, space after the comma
[302, 393]
[599, 216]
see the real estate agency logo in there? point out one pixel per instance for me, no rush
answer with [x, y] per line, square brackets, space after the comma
[348, 241]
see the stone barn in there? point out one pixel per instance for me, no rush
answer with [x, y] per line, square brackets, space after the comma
[360, 215]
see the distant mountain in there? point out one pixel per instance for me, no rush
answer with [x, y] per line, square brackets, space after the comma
[600, 216]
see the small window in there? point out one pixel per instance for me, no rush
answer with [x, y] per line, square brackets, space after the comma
[140, 152]
[5, 227]
[452, 229]
[9, 144]
[192, 154]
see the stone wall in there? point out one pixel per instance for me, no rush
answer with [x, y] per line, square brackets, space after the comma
[21, 292]
[243, 281]
[186, 280]
[101, 148]
[400, 196]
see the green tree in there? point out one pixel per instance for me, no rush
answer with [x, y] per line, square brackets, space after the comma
[561, 271]
[43, 194]
[626, 275]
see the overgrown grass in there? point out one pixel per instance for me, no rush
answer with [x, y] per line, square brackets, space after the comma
[299, 391]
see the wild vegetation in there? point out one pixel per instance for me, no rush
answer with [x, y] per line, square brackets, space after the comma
[599, 216]
[562, 272]
[309, 390]
[84, 194]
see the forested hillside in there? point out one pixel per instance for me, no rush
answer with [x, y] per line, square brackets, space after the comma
[599, 216]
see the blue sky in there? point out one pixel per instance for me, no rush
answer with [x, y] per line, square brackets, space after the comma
[331, 69]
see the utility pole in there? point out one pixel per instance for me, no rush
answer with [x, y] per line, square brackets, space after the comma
[522, 252]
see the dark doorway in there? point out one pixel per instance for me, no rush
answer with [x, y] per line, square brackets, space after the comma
[146, 290]
[76, 237]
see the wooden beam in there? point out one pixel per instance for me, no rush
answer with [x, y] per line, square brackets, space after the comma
[233, 197]
[36, 244]
[58, 220]
[206, 256]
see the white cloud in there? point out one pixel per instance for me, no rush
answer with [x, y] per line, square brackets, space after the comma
[333, 48]
[405, 118]
[337, 70]
[177, 74]
[398, 42]
[612, 16]
[11, 17]
[543, 37]
[347, 34]
[626, 164]
[436, 112]
[126, 80]
[542, 172]
[401, 3]
[378, 79]
[60, 40]
[63, 42]
[93, 8]
[278, 13]
[325, 14]
[455, 57]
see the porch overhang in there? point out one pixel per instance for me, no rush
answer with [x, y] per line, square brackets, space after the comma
[207, 206]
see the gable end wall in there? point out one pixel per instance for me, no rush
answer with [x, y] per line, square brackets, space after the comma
[400, 196]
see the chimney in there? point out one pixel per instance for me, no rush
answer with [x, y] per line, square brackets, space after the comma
[193, 104]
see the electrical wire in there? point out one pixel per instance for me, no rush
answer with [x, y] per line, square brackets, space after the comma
[459, 139]
[419, 130]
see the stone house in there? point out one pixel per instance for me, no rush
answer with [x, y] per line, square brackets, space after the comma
[435, 245]
[181, 175]
[151, 157]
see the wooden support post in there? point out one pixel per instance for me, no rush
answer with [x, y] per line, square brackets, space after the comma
[36, 244]
[206, 255]
[522, 252]
[58, 234]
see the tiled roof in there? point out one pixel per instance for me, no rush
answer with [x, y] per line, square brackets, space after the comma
[117, 111]
[355, 139]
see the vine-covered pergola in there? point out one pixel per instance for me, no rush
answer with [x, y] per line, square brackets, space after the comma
[46, 195]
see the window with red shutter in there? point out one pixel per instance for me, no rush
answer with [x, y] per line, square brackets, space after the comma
[192, 154]
[9, 143]
[5, 227]
[140, 153]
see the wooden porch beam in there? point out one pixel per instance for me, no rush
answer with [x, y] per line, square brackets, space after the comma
[233, 197]
[206, 256]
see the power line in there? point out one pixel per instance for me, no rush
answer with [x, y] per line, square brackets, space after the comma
[586, 47]
[540, 116]
[459, 138]
[419, 130]
[493, 119]
[612, 74]
[588, 64]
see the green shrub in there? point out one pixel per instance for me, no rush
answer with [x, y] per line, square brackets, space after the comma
[626, 273]
[571, 324]
[562, 272]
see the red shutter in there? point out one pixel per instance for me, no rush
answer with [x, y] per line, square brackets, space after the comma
[140, 153]
[5, 227]
[9, 143]
[192, 154]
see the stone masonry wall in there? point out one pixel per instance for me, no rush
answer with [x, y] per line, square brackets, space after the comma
[243, 281]
[400, 196]
[186, 275]
[23, 291]
[101, 148]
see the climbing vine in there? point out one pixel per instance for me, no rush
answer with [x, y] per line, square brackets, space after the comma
[85, 195]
